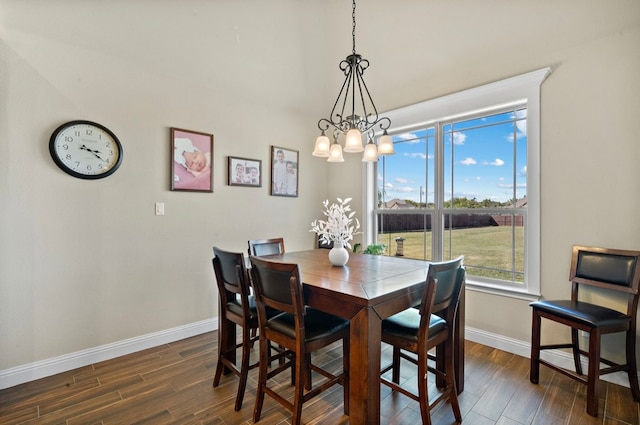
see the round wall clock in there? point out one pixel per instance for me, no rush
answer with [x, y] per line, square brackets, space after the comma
[85, 149]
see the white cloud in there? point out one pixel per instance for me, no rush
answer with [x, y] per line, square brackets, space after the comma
[418, 155]
[459, 138]
[400, 180]
[498, 162]
[468, 161]
[408, 137]
[523, 170]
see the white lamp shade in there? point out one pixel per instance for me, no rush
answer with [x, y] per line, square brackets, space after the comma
[370, 153]
[353, 142]
[335, 154]
[385, 146]
[322, 147]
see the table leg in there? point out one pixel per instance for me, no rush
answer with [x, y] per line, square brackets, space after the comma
[364, 364]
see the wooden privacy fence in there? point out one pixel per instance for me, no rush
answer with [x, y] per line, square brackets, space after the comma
[389, 223]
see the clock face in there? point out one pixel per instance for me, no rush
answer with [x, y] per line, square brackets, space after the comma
[85, 149]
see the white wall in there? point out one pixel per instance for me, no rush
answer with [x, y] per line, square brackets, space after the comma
[86, 263]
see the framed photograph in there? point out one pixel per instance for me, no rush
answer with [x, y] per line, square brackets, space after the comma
[284, 172]
[244, 172]
[191, 160]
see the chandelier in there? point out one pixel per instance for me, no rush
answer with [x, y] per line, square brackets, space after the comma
[353, 115]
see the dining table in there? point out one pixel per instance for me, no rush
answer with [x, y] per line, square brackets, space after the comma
[368, 289]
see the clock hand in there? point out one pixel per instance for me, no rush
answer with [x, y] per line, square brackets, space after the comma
[83, 147]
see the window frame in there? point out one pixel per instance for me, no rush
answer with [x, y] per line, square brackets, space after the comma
[521, 89]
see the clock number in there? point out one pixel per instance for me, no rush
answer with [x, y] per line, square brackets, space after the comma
[89, 167]
[76, 133]
[89, 132]
[68, 156]
[68, 139]
[65, 147]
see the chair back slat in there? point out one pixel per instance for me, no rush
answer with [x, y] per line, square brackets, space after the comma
[449, 277]
[612, 269]
[262, 247]
[231, 273]
[276, 285]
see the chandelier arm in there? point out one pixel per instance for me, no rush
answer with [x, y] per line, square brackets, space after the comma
[384, 123]
[335, 119]
[365, 123]
[348, 83]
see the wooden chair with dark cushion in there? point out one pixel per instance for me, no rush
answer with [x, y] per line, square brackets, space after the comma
[261, 247]
[237, 306]
[612, 271]
[418, 330]
[299, 330]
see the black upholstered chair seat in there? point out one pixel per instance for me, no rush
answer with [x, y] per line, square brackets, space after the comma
[407, 323]
[236, 307]
[317, 324]
[577, 311]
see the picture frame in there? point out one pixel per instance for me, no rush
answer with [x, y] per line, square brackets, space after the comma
[284, 172]
[244, 172]
[191, 160]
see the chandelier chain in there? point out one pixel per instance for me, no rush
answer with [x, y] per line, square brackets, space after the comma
[353, 30]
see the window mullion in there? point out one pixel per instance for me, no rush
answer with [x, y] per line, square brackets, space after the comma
[437, 224]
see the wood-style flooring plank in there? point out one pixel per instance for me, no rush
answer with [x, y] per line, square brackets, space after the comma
[172, 384]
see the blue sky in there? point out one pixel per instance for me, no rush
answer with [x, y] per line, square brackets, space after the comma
[485, 165]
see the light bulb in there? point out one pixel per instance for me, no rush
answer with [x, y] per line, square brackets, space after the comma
[385, 146]
[321, 148]
[370, 153]
[354, 141]
[335, 153]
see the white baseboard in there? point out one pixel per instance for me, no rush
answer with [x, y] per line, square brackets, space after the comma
[522, 348]
[41, 369]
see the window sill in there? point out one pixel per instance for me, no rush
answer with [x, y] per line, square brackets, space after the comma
[501, 291]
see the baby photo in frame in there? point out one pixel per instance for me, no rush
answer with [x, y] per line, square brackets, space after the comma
[191, 159]
[244, 172]
[284, 172]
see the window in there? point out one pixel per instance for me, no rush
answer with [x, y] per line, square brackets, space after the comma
[465, 181]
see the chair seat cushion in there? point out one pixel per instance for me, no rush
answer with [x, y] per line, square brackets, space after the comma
[234, 306]
[317, 324]
[406, 324]
[585, 313]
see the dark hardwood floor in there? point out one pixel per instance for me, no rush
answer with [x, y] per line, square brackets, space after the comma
[171, 384]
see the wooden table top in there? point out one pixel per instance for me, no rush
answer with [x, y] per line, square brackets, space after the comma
[366, 280]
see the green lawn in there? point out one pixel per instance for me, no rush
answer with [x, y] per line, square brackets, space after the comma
[486, 250]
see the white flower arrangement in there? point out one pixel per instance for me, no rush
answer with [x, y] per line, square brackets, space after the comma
[339, 227]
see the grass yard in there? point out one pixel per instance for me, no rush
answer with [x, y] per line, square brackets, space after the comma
[487, 250]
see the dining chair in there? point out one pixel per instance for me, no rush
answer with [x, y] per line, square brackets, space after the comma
[415, 331]
[237, 306]
[300, 330]
[614, 272]
[260, 247]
